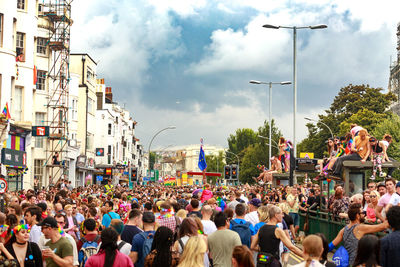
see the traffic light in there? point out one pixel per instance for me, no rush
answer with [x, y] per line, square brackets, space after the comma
[227, 172]
[234, 172]
[134, 175]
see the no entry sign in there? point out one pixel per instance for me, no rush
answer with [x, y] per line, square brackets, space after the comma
[3, 186]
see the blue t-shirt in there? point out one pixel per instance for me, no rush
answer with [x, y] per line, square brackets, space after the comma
[137, 246]
[242, 221]
[108, 217]
[258, 226]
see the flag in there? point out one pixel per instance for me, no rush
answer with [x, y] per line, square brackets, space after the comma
[34, 75]
[6, 111]
[202, 159]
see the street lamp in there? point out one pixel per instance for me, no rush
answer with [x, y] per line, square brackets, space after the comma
[321, 123]
[154, 136]
[264, 137]
[270, 110]
[295, 28]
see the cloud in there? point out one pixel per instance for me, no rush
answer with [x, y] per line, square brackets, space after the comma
[203, 53]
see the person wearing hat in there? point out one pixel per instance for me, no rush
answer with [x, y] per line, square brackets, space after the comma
[140, 239]
[395, 198]
[381, 189]
[59, 249]
[252, 216]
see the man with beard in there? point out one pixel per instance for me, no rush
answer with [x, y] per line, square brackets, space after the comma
[355, 230]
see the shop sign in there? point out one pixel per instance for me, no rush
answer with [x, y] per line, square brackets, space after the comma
[13, 157]
[99, 178]
[100, 152]
[81, 161]
[40, 130]
[108, 171]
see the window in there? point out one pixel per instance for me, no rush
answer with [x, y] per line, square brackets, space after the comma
[89, 141]
[41, 45]
[109, 128]
[1, 29]
[89, 75]
[19, 45]
[41, 80]
[74, 111]
[21, 4]
[38, 171]
[90, 105]
[109, 155]
[39, 121]
[17, 103]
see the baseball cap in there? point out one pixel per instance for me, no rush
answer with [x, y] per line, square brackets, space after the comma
[148, 217]
[398, 184]
[49, 222]
[255, 202]
[381, 184]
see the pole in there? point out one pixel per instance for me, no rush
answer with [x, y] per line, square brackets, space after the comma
[270, 128]
[294, 89]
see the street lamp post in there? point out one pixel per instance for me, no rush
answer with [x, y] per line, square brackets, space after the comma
[295, 28]
[270, 111]
[264, 137]
[154, 136]
[309, 119]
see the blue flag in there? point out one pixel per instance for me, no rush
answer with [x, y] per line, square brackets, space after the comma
[202, 160]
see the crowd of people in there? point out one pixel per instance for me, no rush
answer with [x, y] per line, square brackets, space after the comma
[155, 225]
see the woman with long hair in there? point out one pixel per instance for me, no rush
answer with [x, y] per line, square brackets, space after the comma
[368, 251]
[187, 230]
[161, 254]
[26, 253]
[373, 203]
[109, 254]
[193, 255]
[324, 256]
[242, 257]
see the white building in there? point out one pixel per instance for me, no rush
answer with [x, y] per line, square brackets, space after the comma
[115, 141]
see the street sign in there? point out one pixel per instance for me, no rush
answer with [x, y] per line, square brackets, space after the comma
[3, 185]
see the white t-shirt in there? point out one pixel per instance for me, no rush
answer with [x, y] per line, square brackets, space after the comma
[394, 199]
[209, 227]
[35, 234]
[252, 217]
[386, 143]
[126, 248]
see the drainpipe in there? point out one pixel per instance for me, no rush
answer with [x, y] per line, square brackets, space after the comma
[87, 96]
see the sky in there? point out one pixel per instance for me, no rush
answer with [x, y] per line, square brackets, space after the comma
[188, 63]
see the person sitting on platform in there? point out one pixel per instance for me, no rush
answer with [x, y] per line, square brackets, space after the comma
[266, 176]
[361, 149]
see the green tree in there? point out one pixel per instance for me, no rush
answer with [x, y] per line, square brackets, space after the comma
[359, 104]
[239, 141]
[215, 164]
[253, 155]
[152, 160]
[390, 125]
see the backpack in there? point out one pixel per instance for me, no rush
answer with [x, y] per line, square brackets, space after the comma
[88, 249]
[341, 257]
[244, 232]
[148, 241]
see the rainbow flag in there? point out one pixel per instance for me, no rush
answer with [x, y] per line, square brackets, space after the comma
[6, 112]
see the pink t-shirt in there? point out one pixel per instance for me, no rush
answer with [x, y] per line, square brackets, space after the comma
[98, 259]
[384, 200]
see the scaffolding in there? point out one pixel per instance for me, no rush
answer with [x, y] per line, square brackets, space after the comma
[58, 14]
[394, 79]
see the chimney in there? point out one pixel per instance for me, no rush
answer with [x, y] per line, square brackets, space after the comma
[99, 96]
[108, 95]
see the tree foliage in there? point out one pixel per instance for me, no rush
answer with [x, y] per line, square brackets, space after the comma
[359, 104]
[247, 144]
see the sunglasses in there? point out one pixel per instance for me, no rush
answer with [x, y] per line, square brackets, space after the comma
[373, 196]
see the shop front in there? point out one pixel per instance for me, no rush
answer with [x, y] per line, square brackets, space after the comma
[102, 173]
[14, 164]
[121, 174]
[84, 170]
